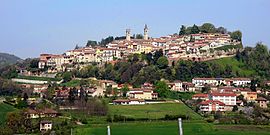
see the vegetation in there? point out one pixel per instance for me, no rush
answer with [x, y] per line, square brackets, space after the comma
[171, 128]
[153, 111]
[209, 28]
[6, 59]
[4, 109]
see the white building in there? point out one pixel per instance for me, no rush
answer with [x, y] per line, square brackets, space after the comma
[128, 102]
[45, 125]
[199, 82]
[228, 98]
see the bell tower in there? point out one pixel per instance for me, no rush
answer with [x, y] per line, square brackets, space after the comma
[145, 36]
[128, 34]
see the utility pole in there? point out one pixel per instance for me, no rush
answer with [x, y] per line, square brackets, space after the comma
[71, 131]
[109, 130]
[180, 126]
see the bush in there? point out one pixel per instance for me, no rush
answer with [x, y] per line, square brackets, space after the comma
[175, 117]
[84, 121]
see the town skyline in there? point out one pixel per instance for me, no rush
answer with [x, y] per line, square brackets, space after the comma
[56, 30]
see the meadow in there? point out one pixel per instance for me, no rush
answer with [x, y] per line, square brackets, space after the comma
[195, 126]
[171, 128]
[153, 111]
[4, 109]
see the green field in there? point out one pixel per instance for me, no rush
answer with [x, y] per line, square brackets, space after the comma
[72, 83]
[153, 111]
[195, 126]
[4, 109]
[171, 128]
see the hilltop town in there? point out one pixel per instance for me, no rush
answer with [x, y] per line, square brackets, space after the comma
[196, 47]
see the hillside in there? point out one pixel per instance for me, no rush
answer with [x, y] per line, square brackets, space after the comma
[6, 58]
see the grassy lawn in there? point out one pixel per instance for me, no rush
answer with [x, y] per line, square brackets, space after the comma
[72, 83]
[171, 128]
[38, 78]
[4, 109]
[153, 111]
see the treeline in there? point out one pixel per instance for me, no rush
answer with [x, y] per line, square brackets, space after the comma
[209, 28]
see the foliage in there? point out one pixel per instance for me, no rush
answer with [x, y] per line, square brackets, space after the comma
[162, 62]
[237, 35]
[182, 30]
[67, 76]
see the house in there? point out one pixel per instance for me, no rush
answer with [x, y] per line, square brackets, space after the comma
[128, 102]
[249, 96]
[142, 93]
[200, 82]
[262, 102]
[238, 81]
[188, 87]
[211, 106]
[228, 98]
[200, 96]
[40, 113]
[45, 125]
[176, 85]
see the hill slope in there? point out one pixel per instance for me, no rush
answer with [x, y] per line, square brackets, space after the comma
[6, 58]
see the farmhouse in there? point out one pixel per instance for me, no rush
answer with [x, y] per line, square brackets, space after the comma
[212, 106]
[128, 102]
[47, 112]
[141, 93]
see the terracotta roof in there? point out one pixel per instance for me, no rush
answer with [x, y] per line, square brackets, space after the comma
[224, 94]
[212, 102]
[261, 99]
[200, 95]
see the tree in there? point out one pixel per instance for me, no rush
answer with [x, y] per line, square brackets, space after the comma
[139, 36]
[182, 30]
[237, 35]
[162, 62]
[235, 108]
[72, 95]
[77, 46]
[67, 76]
[124, 90]
[162, 89]
[91, 43]
[195, 29]
[25, 97]
[206, 89]
[34, 63]
[222, 30]
[157, 54]
[208, 28]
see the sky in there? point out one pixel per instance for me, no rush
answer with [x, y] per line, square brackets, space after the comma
[31, 27]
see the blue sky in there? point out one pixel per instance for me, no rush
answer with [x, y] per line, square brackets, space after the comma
[31, 27]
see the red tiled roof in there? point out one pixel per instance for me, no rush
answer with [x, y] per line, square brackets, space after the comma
[200, 95]
[212, 102]
[224, 94]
